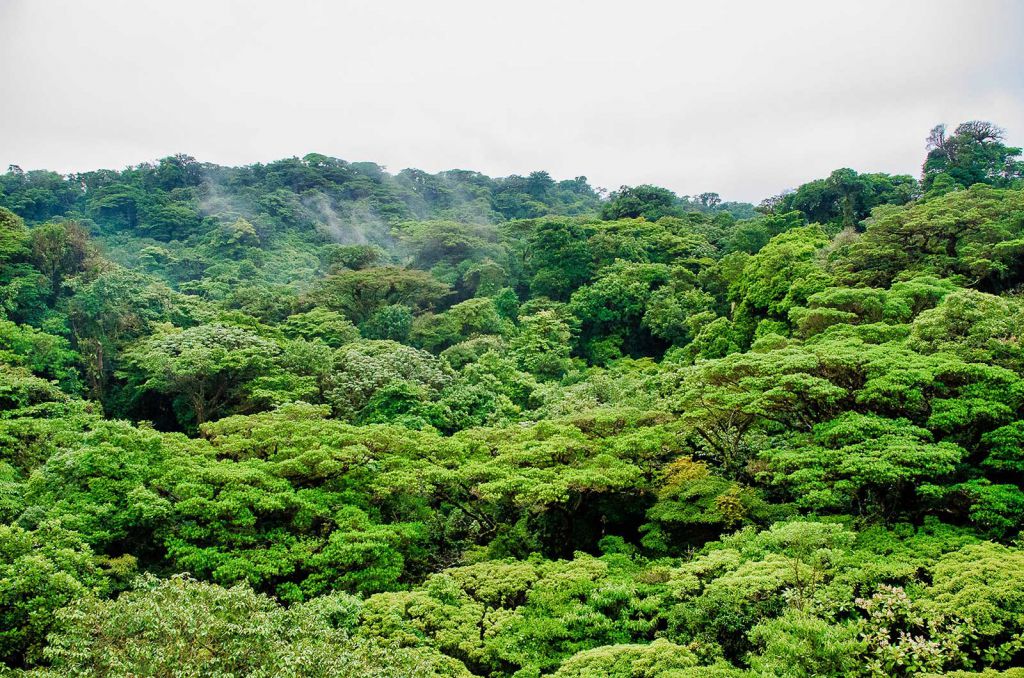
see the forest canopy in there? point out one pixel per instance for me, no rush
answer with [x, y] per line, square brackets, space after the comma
[313, 418]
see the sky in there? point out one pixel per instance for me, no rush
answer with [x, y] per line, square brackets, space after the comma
[743, 98]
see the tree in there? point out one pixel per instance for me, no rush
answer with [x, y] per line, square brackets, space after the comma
[178, 171]
[330, 327]
[752, 577]
[234, 240]
[905, 637]
[845, 198]
[114, 308]
[802, 645]
[40, 571]
[978, 327]
[982, 583]
[724, 402]
[46, 355]
[542, 344]
[363, 368]
[750, 477]
[182, 626]
[503, 615]
[864, 464]
[973, 235]
[251, 521]
[671, 308]
[558, 474]
[448, 242]
[973, 154]
[649, 202]
[14, 237]
[694, 506]
[203, 368]
[37, 195]
[659, 657]
[358, 294]
[709, 200]
[468, 319]
[59, 250]
[558, 258]
[20, 389]
[117, 205]
[750, 235]
[389, 322]
[610, 310]
[355, 257]
[784, 273]
[173, 221]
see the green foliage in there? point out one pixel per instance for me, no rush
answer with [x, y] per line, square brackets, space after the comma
[468, 319]
[976, 236]
[559, 259]
[904, 637]
[864, 463]
[184, 627]
[542, 344]
[649, 202]
[59, 250]
[14, 237]
[234, 240]
[750, 235]
[845, 198]
[46, 355]
[40, 571]
[611, 309]
[204, 368]
[505, 616]
[800, 644]
[975, 326]
[110, 311]
[390, 322]
[983, 583]
[330, 327]
[694, 506]
[457, 425]
[784, 273]
[972, 154]
[355, 257]
[363, 368]
[655, 659]
[20, 389]
[359, 294]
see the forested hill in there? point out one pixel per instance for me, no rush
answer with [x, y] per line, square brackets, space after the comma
[310, 418]
[179, 217]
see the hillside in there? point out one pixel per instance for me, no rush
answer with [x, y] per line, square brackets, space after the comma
[313, 418]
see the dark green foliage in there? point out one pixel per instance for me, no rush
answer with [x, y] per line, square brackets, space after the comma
[845, 198]
[559, 260]
[976, 236]
[973, 154]
[389, 322]
[649, 202]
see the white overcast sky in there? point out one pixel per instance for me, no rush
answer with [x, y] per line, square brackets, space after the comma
[743, 98]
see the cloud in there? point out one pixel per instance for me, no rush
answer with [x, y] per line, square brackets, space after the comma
[744, 98]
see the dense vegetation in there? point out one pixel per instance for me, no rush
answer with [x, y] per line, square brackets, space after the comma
[310, 418]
